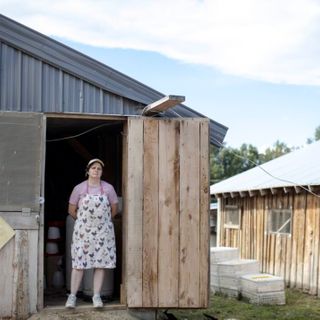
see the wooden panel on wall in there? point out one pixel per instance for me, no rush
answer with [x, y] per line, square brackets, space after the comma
[289, 243]
[204, 215]
[33, 269]
[308, 244]
[6, 278]
[314, 286]
[169, 194]
[299, 236]
[123, 286]
[167, 213]
[17, 220]
[20, 298]
[150, 213]
[134, 212]
[189, 215]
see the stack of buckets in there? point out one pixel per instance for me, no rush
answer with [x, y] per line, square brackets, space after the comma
[54, 261]
[87, 281]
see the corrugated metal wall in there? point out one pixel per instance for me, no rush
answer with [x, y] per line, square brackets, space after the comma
[29, 84]
[41, 74]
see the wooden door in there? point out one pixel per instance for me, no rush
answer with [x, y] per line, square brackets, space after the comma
[21, 148]
[167, 213]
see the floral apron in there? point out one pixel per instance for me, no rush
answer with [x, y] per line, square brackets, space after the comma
[93, 240]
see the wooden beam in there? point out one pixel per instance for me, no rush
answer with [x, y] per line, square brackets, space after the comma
[297, 189]
[263, 192]
[253, 193]
[243, 194]
[287, 189]
[162, 104]
[274, 190]
[80, 149]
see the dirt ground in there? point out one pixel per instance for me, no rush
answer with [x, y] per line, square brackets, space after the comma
[85, 314]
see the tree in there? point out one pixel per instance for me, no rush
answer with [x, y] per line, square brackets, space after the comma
[278, 149]
[227, 162]
[316, 136]
[317, 133]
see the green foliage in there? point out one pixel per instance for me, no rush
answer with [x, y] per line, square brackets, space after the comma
[316, 136]
[226, 161]
[278, 149]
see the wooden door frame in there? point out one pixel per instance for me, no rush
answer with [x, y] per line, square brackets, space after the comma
[78, 116]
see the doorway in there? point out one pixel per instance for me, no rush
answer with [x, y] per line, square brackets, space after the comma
[71, 141]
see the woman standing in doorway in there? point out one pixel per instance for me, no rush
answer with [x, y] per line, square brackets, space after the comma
[93, 204]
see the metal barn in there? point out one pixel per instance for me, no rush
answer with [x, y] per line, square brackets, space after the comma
[59, 108]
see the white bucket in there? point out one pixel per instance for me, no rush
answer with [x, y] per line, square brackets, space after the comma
[53, 233]
[107, 287]
[52, 248]
[58, 279]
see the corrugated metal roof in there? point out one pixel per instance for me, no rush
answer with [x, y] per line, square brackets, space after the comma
[40, 74]
[299, 167]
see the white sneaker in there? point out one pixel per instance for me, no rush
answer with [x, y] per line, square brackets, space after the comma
[97, 302]
[71, 302]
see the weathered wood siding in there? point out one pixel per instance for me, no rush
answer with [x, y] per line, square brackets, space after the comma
[294, 257]
[21, 148]
[167, 212]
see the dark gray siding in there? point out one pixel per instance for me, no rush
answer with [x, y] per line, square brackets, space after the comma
[39, 74]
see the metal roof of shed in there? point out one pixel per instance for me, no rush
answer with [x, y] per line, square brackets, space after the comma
[297, 168]
[62, 79]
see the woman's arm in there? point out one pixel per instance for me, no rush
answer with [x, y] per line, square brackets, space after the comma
[72, 210]
[114, 209]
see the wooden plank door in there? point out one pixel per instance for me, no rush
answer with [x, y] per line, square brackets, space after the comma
[21, 149]
[167, 213]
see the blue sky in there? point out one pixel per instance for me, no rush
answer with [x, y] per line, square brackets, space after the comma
[254, 68]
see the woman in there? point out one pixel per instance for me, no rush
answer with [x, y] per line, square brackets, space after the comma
[93, 204]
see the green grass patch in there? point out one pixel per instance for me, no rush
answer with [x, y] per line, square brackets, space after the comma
[298, 306]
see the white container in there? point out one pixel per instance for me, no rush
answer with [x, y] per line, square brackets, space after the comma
[58, 279]
[220, 254]
[235, 268]
[52, 248]
[53, 233]
[262, 282]
[107, 287]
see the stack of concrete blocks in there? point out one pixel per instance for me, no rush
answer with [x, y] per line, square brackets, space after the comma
[263, 288]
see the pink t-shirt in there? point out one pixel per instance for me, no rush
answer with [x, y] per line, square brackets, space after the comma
[81, 189]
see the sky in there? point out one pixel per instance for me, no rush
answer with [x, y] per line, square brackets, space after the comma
[251, 65]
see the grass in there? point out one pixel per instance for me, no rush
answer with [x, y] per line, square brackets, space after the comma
[298, 306]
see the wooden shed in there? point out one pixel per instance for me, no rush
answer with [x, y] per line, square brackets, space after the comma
[59, 108]
[272, 214]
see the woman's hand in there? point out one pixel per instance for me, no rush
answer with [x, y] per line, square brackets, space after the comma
[72, 210]
[114, 210]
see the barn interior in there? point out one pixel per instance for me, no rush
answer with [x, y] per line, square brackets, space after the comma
[70, 144]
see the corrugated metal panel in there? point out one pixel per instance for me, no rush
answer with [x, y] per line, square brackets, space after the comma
[72, 94]
[56, 78]
[52, 79]
[113, 104]
[299, 167]
[10, 78]
[31, 76]
[91, 99]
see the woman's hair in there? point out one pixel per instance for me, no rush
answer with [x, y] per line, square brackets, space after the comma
[91, 162]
